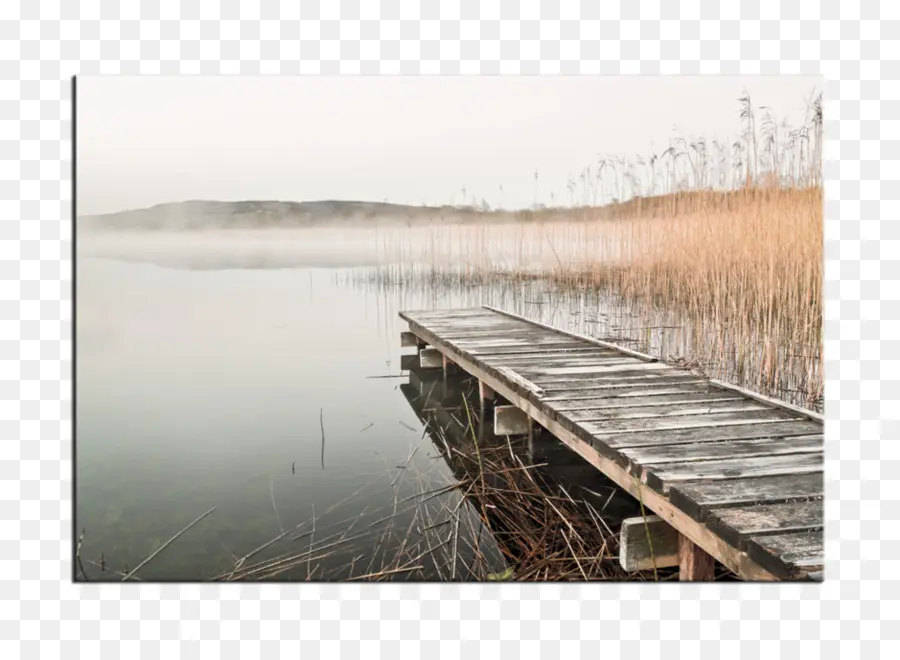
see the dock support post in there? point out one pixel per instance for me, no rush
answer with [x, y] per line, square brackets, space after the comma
[430, 358]
[448, 365]
[694, 564]
[409, 339]
[509, 420]
[539, 444]
[486, 395]
[648, 542]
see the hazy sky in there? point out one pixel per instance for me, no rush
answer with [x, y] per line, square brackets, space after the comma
[143, 141]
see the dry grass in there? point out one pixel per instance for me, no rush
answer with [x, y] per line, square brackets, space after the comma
[721, 242]
[737, 278]
[747, 277]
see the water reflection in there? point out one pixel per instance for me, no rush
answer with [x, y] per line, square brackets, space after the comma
[231, 372]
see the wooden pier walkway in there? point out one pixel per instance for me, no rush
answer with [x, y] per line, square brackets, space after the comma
[737, 474]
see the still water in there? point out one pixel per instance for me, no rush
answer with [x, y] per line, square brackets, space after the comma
[265, 384]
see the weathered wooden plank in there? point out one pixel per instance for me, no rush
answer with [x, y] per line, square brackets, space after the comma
[474, 321]
[667, 398]
[627, 351]
[640, 386]
[489, 344]
[571, 353]
[568, 361]
[646, 543]
[634, 368]
[475, 318]
[757, 429]
[789, 556]
[577, 383]
[512, 351]
[446, 322]
[488, 332]
[432, 314]
[499, 341]
[579, 442]
[519, 333]
[711, 420]
[710, 451]
[557, 361]
[736, 524]
[662, 477]
[519, 380]
[662, 415]
[660, 397]
[711, 408]
[694, 565]
[697, 499]
[818, 417]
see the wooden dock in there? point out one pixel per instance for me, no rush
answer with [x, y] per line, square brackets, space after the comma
[737, 474]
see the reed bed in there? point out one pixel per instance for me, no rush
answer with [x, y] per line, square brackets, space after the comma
[498, 520]
[723, 245]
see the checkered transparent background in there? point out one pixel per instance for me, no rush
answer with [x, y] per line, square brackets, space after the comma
[855, 48]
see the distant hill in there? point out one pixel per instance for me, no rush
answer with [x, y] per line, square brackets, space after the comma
[198, 214]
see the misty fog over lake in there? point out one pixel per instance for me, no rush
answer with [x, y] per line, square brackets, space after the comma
[210, 367]
[244, 409]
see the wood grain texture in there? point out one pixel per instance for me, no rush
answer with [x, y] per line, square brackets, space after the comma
[672, 410]
[664, 400]
[662, 477]
[710, 451]
[694, 565]
[769, 429]
[713, 420]
[430, 358]
[646, 543]
[697, 499]
[736, 524]
[551, 354]
[592, 340]
[559, 346]
[564, 362]
[630, 366]
[564, 388]
[524, 383]
[560, 392]
[721, 466]
[789, 556]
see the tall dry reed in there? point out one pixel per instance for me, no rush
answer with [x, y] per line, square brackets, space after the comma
[724, 244]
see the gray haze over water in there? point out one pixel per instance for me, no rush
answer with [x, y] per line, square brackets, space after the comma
[209, 362]
[209, 365]
[410, 140]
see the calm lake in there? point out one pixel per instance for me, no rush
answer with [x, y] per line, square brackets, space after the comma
[265, 382]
